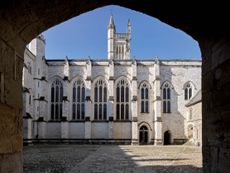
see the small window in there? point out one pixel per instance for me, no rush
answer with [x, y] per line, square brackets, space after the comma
[29, 99]
[188, 91]
[29, 68]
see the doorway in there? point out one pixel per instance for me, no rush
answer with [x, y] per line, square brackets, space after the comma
[167, 138]
[143, 135]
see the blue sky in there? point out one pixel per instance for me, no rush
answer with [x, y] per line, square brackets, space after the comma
[86, 35]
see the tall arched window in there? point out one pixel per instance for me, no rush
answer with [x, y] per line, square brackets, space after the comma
[29, 68]
[144, 98]
[166, 98]
[188, 91]
[100, 100]
[56, 100]
[30, 98]
[78, 104]
[122, 100]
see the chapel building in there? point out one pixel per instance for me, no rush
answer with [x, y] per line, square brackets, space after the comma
[114, 100]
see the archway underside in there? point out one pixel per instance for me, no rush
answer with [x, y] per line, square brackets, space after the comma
[22, 20]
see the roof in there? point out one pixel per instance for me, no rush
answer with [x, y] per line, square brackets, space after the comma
[196, 99]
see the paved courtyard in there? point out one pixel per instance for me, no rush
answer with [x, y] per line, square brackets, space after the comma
[111, 158]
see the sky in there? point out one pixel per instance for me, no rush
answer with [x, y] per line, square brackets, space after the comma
[85, 36]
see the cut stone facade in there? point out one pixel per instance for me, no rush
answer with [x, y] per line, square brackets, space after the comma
[194, 124]
[151, 109]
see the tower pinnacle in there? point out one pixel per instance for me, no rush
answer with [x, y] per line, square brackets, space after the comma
[111, 22]
[129, 26]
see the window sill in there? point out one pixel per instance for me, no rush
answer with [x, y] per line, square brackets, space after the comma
[144, 112]
[99, 121]
[120, 121]
[76, 121]
[54, 121]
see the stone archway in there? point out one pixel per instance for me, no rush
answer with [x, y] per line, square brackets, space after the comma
[22, 20]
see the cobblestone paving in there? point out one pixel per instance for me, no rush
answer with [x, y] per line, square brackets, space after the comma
[112, 159]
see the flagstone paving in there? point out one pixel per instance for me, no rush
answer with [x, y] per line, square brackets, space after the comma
[112, 158]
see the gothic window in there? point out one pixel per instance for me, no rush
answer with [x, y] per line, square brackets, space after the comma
[56, 100]
[117, 51]
[188, 91]
[144, 98]
[29, 99]
[166, 98]
[100, 100]
[122, 100]
[29, 68]
[78, 104]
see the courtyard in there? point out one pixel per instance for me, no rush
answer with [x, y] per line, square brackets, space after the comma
[63, 158]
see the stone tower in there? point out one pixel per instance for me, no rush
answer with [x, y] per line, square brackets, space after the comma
[118, 43]
[111, 38]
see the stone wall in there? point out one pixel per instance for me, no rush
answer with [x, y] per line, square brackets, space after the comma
[178, 74]
[11, 64]
[195, 121]
[216, 105]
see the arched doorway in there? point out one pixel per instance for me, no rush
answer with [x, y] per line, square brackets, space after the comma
[167, 138]
[143, 135]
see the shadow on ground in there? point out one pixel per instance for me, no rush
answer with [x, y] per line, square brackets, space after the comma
[110, 158]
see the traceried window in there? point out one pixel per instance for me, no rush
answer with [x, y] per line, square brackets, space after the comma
[122, 100]
[78, 106]
[166, 98]
[188, 91]
[56, 100]
[100, 100]
[144, 98]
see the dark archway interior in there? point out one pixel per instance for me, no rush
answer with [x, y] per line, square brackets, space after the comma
[22, 20]
[167, 138]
